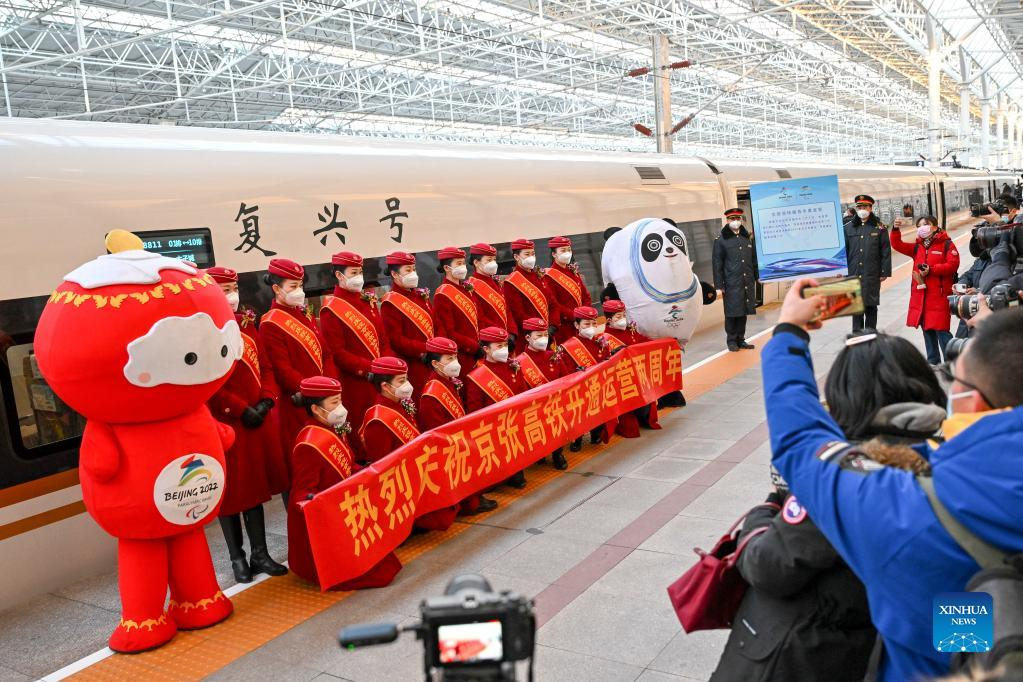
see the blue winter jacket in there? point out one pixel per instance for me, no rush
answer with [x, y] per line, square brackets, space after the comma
[879, 519]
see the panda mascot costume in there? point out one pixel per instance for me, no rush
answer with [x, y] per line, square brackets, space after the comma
[646, 266]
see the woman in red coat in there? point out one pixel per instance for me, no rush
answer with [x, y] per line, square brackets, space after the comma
[487, 292]
[589, 347]
[526, 289]
[243, 404]
[408, 316]
[320, 459]
[540, 366]
[935, 264]
[622, 333]
[454, 311]
[391, 422]
[295, 349]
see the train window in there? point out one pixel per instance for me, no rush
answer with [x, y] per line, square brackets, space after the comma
[42, 417]
[195, 245]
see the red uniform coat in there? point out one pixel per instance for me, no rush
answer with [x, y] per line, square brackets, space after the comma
[407, 338]
[379, 439]
[440, 403]
[546, 362]
[477, 393]
[491, 303]
[628, 423]
[590, 352]
[291, 363]
[568, 291]
[522, 308]
[458, 323]
[928, 308]
[352, 354]
[256, 453]
[321, 458]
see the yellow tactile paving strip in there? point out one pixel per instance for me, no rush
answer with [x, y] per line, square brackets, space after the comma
[274, 606]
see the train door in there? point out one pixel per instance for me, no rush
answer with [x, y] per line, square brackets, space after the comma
[743, 202]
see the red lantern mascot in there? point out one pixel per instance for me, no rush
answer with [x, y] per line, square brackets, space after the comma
[138, 343]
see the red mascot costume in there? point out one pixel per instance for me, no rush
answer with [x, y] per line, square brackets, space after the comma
[137, 343]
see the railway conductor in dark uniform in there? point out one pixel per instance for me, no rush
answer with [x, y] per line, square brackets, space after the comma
[868, 253]
[735, 274]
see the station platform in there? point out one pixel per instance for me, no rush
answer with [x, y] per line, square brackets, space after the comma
[595, 545]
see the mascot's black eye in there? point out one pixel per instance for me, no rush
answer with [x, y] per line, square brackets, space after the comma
[223, 351]
[191, 358]
[651, 248]
[676, 239]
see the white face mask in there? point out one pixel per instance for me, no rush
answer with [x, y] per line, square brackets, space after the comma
[528, 263]
[863, 213]
[410, 280]
[354, 283]
[539, 342]
[735, 225]
[452, 369]
[232, 300]
[295, 298]
[489, 268]
[500, 355]
[588, 332]
[404, 391]
[620, 323]
[924, 231]
[338, 416]
[565, 257]
[600, 329]
[459, 272]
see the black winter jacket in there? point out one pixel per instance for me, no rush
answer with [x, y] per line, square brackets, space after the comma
[735, 272]
[868, 253]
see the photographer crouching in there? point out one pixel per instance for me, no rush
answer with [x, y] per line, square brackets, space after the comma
[881, 520]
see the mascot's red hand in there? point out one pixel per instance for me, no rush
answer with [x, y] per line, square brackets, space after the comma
[226, 434]
[101, 455]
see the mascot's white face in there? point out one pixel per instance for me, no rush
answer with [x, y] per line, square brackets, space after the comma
[648, 261]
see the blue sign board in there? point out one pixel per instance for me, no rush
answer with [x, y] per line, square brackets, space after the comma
[798, 228]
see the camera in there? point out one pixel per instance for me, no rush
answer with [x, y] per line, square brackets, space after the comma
[990, 237]
[469, 633]
[964, 306]
[954, 348]
[979, 210]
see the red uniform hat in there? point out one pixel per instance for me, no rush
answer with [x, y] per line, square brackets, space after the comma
[319, 387]
[733, 211]
[558, 242]
[222, 275]
[493, 335]
[521, 244]
[482, 249]
[288, 269]
[346, 259]
[401, 258]
[450, 252]
[534, 324]
[442, 345]
[612, 307]
[388, 365]
[585, 313]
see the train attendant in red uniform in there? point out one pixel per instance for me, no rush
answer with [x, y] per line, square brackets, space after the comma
[487, 291]
[321, 458]
[391, 422]
[494, 379]
[295, 349]
[567, 289]
[540, 366]
[620, 333]
[354, 332]
[584, 350]
[526, 289]
[243, 403]
[408, 317]
[454, 309]
[442, 402]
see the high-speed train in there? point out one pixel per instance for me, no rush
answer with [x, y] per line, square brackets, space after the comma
[235, 198]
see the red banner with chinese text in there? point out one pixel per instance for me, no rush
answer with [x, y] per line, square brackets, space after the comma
[358, 521]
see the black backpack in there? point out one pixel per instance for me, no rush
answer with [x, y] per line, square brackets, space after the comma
[1001, 576]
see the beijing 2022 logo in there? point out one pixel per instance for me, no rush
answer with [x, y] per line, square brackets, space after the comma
[189, 488]
[963, 622]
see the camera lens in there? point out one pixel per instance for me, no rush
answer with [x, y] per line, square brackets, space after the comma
[953, 348]
[988, 237]
[467, 581]
[963, 306]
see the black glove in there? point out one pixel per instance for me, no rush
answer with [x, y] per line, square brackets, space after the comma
[296, 399]
[265, 405]
[252, 418]
[775, 498]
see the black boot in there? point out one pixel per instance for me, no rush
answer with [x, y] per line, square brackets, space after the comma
[576, 445]
[284, 499]
[558, 459]
[259, 559]
[232, 527]
[517, 481]
[596, 435]
[486, 504]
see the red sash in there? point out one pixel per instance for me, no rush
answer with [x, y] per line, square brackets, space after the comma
[531, 292]
[582, 356]
[494, 298]
[395, 421]
[531, 371]
[357, 322]
[490, 383]
[250, 357]
[442, 393]
[613, 342]
[305, 336]
[420, 317]
[333, 449]
[568, 284]
[461, 300]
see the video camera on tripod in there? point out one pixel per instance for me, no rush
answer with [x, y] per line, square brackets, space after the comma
[471, 633]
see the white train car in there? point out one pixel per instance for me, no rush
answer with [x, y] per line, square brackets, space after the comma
[234, 198]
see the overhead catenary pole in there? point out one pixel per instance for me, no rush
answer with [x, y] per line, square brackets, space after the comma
[1000, 132]
[985, 124]
[965, 142]
[933, 94]
[662, 93]
[1010, 146]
